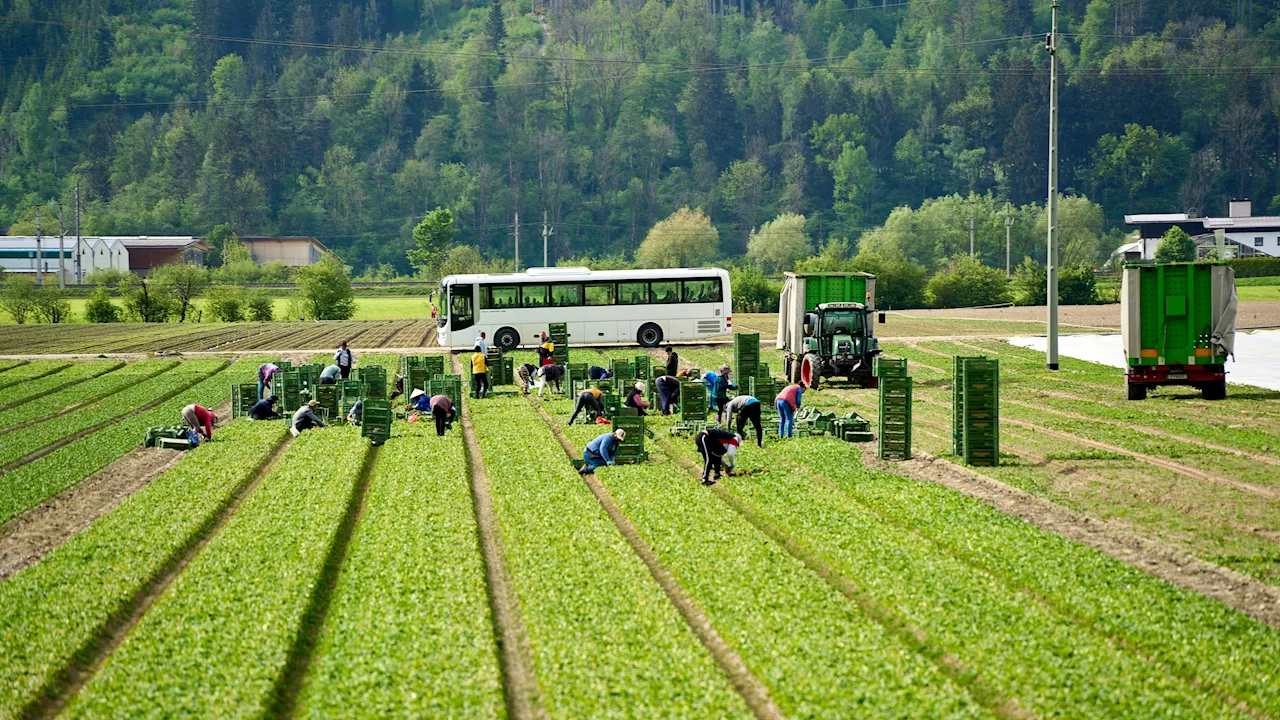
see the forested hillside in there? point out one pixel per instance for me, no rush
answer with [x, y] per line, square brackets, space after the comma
[349, 120]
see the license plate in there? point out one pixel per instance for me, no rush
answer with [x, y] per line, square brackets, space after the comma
[1176, 376]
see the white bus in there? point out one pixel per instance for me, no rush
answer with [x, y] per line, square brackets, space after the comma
[607, 306]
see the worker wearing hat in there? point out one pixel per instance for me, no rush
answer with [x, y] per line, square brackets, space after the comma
[635, 397]
[305, 418]
[602, 450]
[419, 400]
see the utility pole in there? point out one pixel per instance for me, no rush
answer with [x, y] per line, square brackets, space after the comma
[1008, 237]
[546, 233]
[62, 251]
[970, 231]
[39, 251]
[1051, 46]
[79, 269]
[517, 241]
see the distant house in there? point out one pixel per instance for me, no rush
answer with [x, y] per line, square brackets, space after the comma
[294, 251]
[146, 253]
[103, 254]
[26, 255]
[1247, 235]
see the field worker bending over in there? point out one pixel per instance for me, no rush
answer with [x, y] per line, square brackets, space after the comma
[720, 391]
[524, 376]
[353, 416]
[746, 408]
[713, 444]
[443, 413]
[589, 400]
[479, 373]
[601, 451]
[305, 418]
[635, 398]
[330, 375]
[668, 388]
[266, 371]
[549, 374]
[344, 359]
[264, 409]
[788, 402]
[595, 372]
[399, 387]
[200, 419]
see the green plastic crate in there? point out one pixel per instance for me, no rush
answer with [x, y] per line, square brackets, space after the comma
[979, 396]
[373, 381]
[884, 367]
[243, 397]
[375, 420]
[287, 386]
[642, 366]
[894, 437]
[693, 401]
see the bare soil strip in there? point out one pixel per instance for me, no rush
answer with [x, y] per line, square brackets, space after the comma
[523, 694]
[27, 538]
[1252, 597]
[288, 685]
[752, 690]
[91, 657]
[913, 637]
[70, 439]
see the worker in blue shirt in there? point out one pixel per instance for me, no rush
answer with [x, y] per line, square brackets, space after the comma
[719, 391]
[264, 409]
[601, 450]
[419, 401]
[595, 372]
[330, 375]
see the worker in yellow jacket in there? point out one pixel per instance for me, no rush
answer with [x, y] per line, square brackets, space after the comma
[479, 374]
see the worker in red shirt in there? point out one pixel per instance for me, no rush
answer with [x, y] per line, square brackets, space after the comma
[200, 419]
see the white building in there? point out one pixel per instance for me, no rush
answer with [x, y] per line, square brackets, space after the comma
[103, 254]
[25, 255]
[1247, 235]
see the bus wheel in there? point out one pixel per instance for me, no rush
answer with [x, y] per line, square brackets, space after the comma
[507, 339]
[650, 335]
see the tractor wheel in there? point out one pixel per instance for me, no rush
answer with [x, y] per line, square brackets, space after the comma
[1137, 391]
[1216, 390]
[811, 371]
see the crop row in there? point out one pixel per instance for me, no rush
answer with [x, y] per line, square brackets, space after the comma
[35, 482]
[605, 640]
[31, 371]
[217, 642]
[20, 443]
[791, 628]
[84, 392]
[77, 373]
[408, 631]
[51, 612]
[6, 365]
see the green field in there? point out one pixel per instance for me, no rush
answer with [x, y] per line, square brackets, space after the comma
[367, 308]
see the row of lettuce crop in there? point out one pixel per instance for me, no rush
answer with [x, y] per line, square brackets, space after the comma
[195, 381]
[218, 641]
[25, 372]
[6, 365]
[76, 373]
[20, 443]
[53, 610]
[605, 640]
[408, 631]
[83, 392]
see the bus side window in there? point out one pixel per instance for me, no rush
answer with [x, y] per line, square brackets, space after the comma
[566, 295]
[600, 293]
[633, 293]
[664, 291]
[460, 307]
[534, 295]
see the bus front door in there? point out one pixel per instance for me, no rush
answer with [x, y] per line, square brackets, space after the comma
[462, 309]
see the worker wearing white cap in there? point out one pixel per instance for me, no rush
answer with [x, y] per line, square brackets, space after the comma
[602, 450]
[635, 397]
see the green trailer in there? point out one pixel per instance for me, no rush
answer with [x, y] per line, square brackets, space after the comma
[825, 328]
[1177, 323]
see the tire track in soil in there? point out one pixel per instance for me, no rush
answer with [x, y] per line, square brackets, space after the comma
[523, 694]
[58, 445]
[288, 686]
[750, 687]
[1188, 675]
[914, 638]
[54, 698]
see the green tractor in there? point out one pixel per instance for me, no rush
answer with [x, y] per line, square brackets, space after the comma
[825, 328]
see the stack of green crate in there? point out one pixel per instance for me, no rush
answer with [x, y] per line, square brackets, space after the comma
[502, 371]
[373, 381]
[693, 401]
[957, 402]
[763, 389]
[558, 333]
[980, 424]
[287, 386]
[852, 427]
[746, 355]
[375, 420]
[309, 377]
[622, 369]
[242, 399]
[642, 366]
[448, 385]
[416, 379]
[573, 373]
[284, 364]
[889, 367]
[348, 396]
[327, 396]
[632, 448]
[895, 417]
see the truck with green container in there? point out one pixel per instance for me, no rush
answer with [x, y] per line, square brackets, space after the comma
[825, 327]
[1178, 325]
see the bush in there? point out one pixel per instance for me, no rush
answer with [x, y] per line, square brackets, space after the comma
[1176, 246]
[261, 308]
[225, 303]
[752, 291]
[1029, 285]
[1077, 286]
[18, 298]
[899, 283]
[325, 289]
[50, 306]
[966, 282]
[109, 277]
[1256, 267]
[99, 308]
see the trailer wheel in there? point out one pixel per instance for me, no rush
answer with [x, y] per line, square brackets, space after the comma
[811, 371]
[1216, 390]
[1137, 391]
